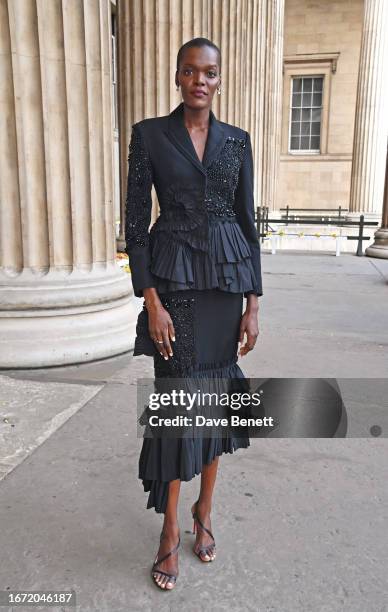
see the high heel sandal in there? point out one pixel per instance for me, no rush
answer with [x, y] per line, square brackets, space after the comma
[172, 578]
[204, 549]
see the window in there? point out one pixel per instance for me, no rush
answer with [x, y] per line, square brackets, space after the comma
[306, 114]
[307, 85]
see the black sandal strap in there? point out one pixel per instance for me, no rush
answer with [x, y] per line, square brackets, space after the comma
[195, 515]
[173, 551]
[206, 548]
[171, 577]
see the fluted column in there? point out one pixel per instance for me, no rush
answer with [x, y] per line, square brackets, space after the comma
[272, 101]
[371, 123]
[63, 299]
[250, 36]
[380, 246]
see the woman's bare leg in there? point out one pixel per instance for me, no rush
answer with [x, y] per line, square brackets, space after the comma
[170, 537]
[204, 506]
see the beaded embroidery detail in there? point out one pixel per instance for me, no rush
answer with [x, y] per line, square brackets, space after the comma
[222, 178]
[182, 312]
[144, 344]
[138, 203]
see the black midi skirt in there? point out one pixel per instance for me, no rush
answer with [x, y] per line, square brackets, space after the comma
[207, 324]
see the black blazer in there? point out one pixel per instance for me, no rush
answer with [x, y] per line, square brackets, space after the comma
[205, 235]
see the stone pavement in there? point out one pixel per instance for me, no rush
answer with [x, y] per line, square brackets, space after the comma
[300, 524]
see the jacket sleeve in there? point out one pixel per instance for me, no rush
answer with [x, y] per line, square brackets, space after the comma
[138, 207]
[245, 213]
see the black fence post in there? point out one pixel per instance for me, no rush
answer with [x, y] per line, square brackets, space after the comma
[258, 220]
[360, 235]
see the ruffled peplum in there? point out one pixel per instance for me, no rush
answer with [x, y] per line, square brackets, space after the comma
[223, 261]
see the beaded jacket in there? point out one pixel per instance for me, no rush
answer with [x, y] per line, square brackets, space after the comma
[205, 236]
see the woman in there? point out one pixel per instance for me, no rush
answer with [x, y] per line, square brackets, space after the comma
[193, 268]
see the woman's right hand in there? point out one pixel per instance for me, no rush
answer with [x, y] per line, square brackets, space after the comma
[160, 325]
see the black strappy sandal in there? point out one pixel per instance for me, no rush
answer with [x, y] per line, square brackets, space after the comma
[204, 549]
[171, 577]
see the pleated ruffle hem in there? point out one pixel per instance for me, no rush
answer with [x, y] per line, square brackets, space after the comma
[164, 459]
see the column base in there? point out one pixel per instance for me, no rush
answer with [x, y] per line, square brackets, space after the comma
[63, 319]
[380, 246]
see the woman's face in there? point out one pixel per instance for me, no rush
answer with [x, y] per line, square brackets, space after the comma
[198, 76]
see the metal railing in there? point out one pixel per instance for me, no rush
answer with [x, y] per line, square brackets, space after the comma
[292, 214]
[263, 222]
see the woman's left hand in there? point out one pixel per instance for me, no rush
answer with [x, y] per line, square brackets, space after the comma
[249, 325]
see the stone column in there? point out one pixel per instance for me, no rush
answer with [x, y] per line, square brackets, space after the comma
[272, 102]
[371, 122]
[63, 299]
[380, 246]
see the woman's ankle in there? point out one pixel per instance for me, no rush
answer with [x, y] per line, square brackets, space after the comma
[204, 506]
[170, 526]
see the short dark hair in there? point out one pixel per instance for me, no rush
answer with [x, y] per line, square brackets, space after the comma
[197, 42]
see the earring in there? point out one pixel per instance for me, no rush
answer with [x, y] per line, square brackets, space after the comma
[219, 90]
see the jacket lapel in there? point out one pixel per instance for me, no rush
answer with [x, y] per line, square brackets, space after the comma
[215, 140]
[180, 138]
